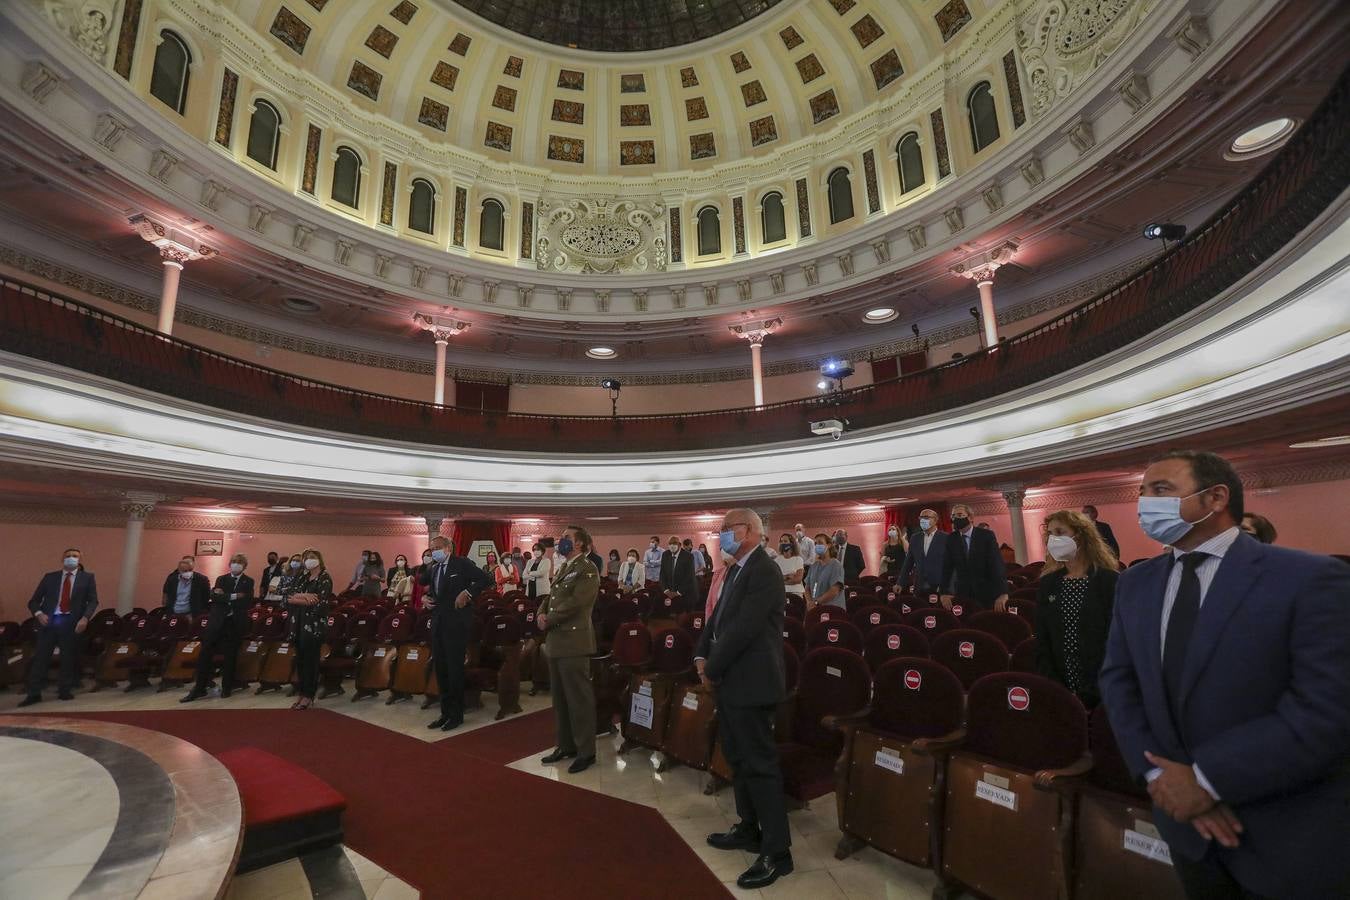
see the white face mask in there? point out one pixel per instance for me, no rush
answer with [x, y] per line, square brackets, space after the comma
[800, 534]
[236, 568]
[925, 523]
[311, 564]
[1062, 547]
[1160, 518]
[185, 575]
[632, 559]
[71, 562]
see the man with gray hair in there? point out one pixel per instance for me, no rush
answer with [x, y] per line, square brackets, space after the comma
[740, 655]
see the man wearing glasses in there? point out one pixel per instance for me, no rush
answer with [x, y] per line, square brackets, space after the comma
[740, 655]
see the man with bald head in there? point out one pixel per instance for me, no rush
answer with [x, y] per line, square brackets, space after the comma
[923, 561]
[740, 655]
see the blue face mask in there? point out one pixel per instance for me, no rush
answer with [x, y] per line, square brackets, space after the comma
[565, 546]
[820, 549]
[727, 541]
[1160, 518]
[439, 555]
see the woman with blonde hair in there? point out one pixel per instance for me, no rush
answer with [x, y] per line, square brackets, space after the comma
[1073, 606]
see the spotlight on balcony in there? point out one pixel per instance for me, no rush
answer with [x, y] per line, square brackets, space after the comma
[1164, 230]
[611, 384]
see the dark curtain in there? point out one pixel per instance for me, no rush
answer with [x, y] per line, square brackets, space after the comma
[466, 531]
[885, 369]
[482, 396]
[913, 362]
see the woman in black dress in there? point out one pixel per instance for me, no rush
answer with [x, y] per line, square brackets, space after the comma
[1073, 606]
[309, 622]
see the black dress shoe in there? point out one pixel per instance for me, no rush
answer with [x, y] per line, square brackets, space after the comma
[766, 870]
[452, 724]
[65, 695]
[30, 700]
[193, 695]
[581, 764]
[438, 723]
[225, 695]
[557, 756]
[740, 837]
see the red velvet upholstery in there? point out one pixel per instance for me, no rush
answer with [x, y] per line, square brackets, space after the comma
[791, 666]
[692, 623]
[820, 614]
[617, 613]
[397, 626]
[1007, 627]
[913, 697]
[632, 644]
[932, 621]
[891, 641]
[831, 682]
[795, 607]
[795, 634]
[1049, 731]
[1025, 609]
[274, 790]
[874, 616]
[835, 633]
[1023, 658]
[502, 630]
[1109, 771]
[969, 654]
[672, 651]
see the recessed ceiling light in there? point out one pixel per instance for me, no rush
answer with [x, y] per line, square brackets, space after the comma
[300, 305]
[602, 353]
[1263, 138]
[880, 315]
[283, 509]
[1334, 441]
[601, 518]
[899, 500]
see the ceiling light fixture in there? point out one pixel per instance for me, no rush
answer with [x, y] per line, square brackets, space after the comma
[1333, 441]
[880, 315]
[283, 509]
[1261, 139]
[602, 353]
[300, 305]
[602, 518]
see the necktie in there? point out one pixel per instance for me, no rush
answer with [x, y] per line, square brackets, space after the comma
[727, 581]
[1180, 625]
[64, 608]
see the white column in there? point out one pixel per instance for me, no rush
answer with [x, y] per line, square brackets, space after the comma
[440, 371]
[1014, 497]
[168, 296]
[138, 508]
[988, 318]
[434, 520]
[757, 371]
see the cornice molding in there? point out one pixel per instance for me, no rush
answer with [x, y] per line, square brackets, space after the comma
[94, 517]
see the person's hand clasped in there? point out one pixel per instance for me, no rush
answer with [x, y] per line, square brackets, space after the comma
[542, 621]
[42, 619]
[1176, 790]
[81, 625]
[701, 665]
[946, 600]
[462, 600]
[1219, 824]
[1001, 603]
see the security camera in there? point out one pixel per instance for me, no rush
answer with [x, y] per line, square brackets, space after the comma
[833, 427]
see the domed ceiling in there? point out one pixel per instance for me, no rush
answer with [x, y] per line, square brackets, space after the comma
[518, 93]
[618, 25]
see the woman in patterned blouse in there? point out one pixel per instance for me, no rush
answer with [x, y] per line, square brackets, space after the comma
[1073, 606]
[309, 622]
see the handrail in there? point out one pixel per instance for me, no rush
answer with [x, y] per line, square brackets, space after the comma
[1305, 177]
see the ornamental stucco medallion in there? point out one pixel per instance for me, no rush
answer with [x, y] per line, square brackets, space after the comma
[600, 236]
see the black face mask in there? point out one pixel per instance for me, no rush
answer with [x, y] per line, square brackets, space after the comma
[960, 523]
[785, 548]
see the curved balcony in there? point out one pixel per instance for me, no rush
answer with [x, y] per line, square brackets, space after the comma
[1298, 184]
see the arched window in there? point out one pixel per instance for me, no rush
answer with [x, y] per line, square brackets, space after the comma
[169, 78]
[709, 231]
[492, 225]
[910, 161]
[422, 207]
[347, 177]
[264, 134]
[771, 218]
[983, 116]
[841, 195]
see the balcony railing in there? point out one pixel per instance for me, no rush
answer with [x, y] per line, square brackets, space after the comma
[1307, 175]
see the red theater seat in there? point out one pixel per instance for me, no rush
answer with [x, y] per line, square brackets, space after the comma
[287, 810]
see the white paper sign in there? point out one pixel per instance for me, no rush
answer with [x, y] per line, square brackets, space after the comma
[121, 650]
[18, 656]
[412, 655]
[190, 647]
[888, 760]
[640, 711]
[645, 689]
[1150, 847]
[986, 791]
[253, 646]
[283, 650]
[831, 670]
[690, 701]
[379, 654]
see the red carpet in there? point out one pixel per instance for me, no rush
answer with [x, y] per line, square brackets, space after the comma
[506, 741]
[453, 824]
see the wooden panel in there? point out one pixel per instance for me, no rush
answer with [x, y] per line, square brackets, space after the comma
[886, 809]
[1107, 871]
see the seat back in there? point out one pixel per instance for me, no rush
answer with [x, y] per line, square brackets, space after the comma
[176, 627]
[362, 627]
[795, 634]
[632, 644]
[502, 630]
[795, 607]
[336, 631]
[932, 621]
[692, 623]
[969, 654]
[818, 614]
[832, 682]
[395, 627]
[1025, 721]
[1007, 627]
[792, 664]
[1023, 657]
[273, 627]
[672, 650]
[913, 697]
[892, 641]
[616, 614]
[874, 616]
[1109, 770]
[835, 633]
[9, 633]
[1025, 609]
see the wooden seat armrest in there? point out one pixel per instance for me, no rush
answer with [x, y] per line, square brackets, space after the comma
[1064, 779]
[939, 745]
[847, 721]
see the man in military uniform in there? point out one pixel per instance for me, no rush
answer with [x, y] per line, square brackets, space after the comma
[569, 642]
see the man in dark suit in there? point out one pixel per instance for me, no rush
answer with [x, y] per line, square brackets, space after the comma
[452, 583]
[972, 567]
[740, 655]
[923, 561]
[226, 624]
[1226, 677]
[62, 605]
[677, 576]
[274, 570]
[851, 556]
[1103, 529]
[187, 592]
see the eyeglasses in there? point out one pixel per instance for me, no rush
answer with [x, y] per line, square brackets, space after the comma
[729, 525]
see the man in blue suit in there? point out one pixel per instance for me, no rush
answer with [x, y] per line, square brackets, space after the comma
[1226, 681]
[923, 561]
[62, 604]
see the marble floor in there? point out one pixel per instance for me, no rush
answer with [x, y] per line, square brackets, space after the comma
[339, 873]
